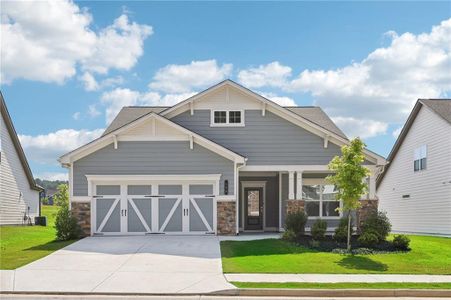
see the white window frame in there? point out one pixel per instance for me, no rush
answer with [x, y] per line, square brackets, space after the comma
[419, 154]
[227, 123]
[321, 182]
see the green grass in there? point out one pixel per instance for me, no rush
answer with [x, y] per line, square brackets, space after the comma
[20, 245]
[345, 285]
[429, 255]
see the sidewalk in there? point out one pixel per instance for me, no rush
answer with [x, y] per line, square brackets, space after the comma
[335, 278]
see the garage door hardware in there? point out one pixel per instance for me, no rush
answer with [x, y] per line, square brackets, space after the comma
[123, 212]
[185, 211]
[209, 196]
[97, 196]
[154, 196]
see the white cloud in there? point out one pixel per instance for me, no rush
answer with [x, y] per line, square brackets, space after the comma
[89, 82]
[273, 74]
[47, 148]
[364, 128]
[397, 131]
[281, 100]
[46, 40]
[184, 78]
[116, 99]
[76, 116]
[92, 111]
[52, 176]
[385, 85]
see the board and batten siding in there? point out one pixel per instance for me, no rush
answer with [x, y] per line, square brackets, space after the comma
[264, 140]
[428, 208]
[151, 158]
[15, 192]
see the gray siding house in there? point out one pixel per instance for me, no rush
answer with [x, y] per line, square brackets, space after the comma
[19, 194]
[415, 189]
[224, 161]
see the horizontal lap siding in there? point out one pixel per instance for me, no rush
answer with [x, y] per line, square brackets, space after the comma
[13, 181]
[264, 140]
[428, 210]
[151, 158]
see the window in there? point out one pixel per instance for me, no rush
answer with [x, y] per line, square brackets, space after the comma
[419, 159]
[320, 200]
[227, 118]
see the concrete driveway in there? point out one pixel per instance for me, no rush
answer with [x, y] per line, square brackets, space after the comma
[132, 264]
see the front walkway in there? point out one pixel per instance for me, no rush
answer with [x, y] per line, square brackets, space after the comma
[336, 278]
[132, 264]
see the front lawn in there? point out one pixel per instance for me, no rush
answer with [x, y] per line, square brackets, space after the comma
[342, 285]
[20, 245]
[429, 255]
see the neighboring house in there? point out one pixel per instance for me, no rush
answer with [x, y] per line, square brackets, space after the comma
[415, 189]
[19, 194]
[223, 161]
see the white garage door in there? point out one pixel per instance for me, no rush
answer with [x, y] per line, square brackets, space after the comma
[164, 208]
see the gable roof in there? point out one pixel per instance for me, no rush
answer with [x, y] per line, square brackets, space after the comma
[111, 137]
[15, 139]
[315, 114]
[441, 107]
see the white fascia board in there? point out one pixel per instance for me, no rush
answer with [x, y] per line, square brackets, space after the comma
[109, 138]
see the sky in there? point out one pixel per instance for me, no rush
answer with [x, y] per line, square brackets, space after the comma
[68, 67]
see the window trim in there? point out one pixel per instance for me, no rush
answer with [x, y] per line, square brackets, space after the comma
[321, 182]
[227, 123]
[421, 166]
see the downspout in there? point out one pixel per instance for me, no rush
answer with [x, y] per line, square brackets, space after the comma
[237, 188]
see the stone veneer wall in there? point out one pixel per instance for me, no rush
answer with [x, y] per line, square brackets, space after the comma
[295, 205]
[82, 212]
[367, 206]
[226, 217]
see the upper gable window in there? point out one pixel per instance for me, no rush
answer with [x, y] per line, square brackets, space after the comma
[227, 118]
[419, 159]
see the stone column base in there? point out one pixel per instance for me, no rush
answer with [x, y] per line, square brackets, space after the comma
[295, 206]
[226, 218]
[366, 208]
[82, 212]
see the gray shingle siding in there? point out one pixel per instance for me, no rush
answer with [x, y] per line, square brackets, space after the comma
[264, 140]
[153, 158]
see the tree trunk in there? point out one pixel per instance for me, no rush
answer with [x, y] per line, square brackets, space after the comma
[349, 232]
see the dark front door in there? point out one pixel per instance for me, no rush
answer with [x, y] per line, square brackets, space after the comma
[253, 208]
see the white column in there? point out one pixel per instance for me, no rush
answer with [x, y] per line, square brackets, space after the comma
[372, 186]
[299, 185]
[291, 185]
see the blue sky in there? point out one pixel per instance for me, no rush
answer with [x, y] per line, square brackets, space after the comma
[363, 63]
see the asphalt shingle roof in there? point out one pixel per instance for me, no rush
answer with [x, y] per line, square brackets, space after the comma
[442, 107]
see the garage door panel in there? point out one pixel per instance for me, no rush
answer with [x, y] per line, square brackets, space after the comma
[201, 214]
[170, 214]
[200, 189]
[170, 189]
[139, 215]
[108, 190]
[104, 222]
[139, 190]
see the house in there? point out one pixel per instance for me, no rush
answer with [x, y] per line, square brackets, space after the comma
[19, 194]
[223, 161]
[415, 189]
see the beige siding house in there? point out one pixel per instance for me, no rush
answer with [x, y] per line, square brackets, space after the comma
[415, 189]
[19, 194]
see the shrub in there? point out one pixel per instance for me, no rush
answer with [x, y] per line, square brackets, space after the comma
[319, 229]
[368, 239]
[341, 232]
[314, 244]
[289, 235]
[66, 224]
[401, 242]
[295, 222]
[378, 224]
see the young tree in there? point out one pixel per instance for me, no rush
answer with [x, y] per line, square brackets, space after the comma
[349, 175]
[62, 196]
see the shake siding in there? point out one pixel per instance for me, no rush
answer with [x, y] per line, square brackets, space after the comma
[428, 210]
[264, 140]
[153, 158]
[13, 181]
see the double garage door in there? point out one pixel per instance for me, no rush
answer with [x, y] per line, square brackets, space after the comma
[178, 208]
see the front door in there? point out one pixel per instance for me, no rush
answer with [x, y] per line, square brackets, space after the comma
[253, 208]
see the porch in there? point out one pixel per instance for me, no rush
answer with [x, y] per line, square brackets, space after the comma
[266, 196]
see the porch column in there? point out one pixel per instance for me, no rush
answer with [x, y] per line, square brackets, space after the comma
[372, 186]
[291, 185]
[298, 185]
